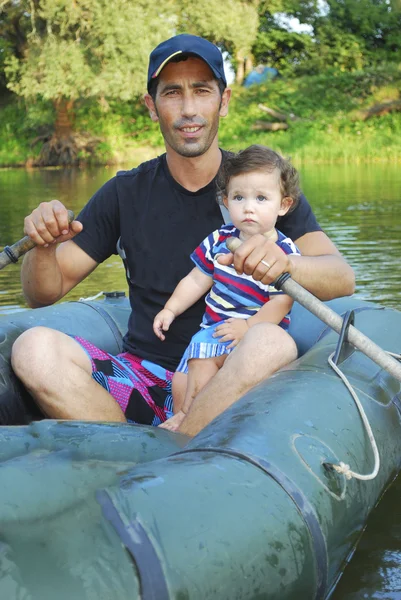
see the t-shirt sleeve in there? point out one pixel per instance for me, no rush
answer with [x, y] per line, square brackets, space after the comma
[203, 255]
[300, 221]
[100, 218]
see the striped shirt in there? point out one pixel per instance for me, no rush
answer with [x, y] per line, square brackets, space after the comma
[233, 295]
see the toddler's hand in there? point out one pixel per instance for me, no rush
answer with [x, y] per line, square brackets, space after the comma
[231, 330]
[162, 322]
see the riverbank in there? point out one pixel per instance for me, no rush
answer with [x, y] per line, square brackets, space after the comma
[329, 121]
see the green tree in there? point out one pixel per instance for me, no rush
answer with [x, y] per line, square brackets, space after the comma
[76, 49]
[275, 45]
[349, 35]
[81, 49]
[233, 29]
[375, 24]
[14, 28]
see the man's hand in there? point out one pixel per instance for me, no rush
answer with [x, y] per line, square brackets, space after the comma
[48, 224]
[231, 330]
[162, 322]
[247, 259]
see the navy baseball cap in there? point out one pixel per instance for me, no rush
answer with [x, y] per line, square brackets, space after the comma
[186, 44]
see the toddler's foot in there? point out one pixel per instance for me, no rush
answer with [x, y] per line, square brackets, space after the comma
[173, 422]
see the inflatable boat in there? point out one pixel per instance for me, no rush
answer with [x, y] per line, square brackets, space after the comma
[267, 502]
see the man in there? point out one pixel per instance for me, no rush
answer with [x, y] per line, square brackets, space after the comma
[156, 215]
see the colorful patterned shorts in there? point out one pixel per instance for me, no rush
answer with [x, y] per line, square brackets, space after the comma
[141, 388]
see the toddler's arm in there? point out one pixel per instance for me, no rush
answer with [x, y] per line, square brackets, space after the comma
[188, 291]
[273, 311]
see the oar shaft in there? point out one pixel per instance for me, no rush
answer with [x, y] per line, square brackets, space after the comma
[333, 320]
[12, 253]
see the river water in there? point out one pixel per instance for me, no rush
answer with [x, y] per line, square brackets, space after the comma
[359, 207]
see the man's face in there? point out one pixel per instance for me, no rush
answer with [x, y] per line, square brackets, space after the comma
[188, 106]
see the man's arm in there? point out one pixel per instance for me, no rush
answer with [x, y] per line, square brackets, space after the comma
[57, 264]
[321, 269]
[47, 274]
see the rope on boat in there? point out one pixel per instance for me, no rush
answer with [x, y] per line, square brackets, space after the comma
[90, 298]
[342, 467]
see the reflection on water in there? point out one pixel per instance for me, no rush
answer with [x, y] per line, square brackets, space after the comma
[20, 192]
[374, 571]
[359, 207]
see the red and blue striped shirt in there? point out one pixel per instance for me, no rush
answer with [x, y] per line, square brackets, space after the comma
[233, 295]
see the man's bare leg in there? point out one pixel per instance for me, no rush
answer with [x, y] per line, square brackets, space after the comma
[263, 350]
[58, 373]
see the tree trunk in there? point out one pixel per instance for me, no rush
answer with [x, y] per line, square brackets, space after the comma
[239, 78]
[65, 147]
[248, 64]
[64, 118]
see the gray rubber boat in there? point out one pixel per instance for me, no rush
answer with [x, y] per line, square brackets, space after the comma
[250, 509]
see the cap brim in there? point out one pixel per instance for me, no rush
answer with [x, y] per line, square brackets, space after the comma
[163, 64]
[166, 60]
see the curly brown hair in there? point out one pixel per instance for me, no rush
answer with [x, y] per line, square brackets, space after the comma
[259, 158]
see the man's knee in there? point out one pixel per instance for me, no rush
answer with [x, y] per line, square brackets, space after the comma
[29, 348]
[38, 351]
[265, 342]
[267, 334]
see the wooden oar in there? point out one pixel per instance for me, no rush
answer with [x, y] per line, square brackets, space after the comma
[332, 319]
[12, 253]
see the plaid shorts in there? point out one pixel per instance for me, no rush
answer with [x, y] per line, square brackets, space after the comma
[141, 388]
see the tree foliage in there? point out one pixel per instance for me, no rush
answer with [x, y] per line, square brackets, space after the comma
[77, 49]
[348, 34]
[82, 48]
[233, 28]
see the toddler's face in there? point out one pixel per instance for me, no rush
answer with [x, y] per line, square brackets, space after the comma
[254, 201]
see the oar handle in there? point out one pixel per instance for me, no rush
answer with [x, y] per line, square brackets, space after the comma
[12, 253]
[331, 318]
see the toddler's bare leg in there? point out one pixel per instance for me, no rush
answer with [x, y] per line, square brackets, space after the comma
[200, 372]
[178, 388]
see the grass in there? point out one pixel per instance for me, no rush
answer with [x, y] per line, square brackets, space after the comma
[329, 128]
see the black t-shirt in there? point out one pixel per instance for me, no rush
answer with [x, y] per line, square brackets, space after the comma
[154, 224]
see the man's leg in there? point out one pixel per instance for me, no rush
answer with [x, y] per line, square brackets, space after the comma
[58, 373]
[263, 350]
